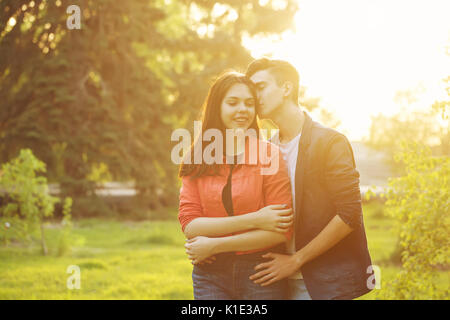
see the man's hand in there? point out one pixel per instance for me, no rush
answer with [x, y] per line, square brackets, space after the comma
[199, 249]
[281, 266]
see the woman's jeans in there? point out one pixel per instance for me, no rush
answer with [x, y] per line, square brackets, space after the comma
[227, 278]
[297, 290]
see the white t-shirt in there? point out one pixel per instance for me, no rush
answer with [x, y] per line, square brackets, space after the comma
[290, 153]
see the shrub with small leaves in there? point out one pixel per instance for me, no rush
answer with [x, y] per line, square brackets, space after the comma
[419, 202]
[27, 199]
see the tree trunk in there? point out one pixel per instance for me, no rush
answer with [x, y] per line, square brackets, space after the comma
[43, 245]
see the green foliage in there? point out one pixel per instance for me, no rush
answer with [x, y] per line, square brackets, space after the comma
[101, 102]
[387, 133]
[443, 106]
[419, 202]
[66, 239]
[27, 200]
[430, 128]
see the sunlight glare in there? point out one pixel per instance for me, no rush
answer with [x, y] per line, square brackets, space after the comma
[356, 55]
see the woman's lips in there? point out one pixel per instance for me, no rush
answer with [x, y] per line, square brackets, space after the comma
[241, 119]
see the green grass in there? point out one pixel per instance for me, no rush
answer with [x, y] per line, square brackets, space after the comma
[119, 260]
[381, 241]
[137, 260]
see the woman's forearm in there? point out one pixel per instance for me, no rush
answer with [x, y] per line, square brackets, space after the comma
[251, 240]
[219, 226]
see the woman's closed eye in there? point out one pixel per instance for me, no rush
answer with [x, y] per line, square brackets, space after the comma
[250, 103]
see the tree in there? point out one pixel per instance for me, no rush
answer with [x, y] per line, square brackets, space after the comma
[428, 128]
[28, 201]
[419, 202]
[109, 95]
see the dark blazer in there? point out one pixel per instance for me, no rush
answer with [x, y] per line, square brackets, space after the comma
[326, 185]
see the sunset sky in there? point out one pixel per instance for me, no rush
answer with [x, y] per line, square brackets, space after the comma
[357, 54]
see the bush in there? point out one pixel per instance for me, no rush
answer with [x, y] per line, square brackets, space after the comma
[419, 202]
[28, 201]
[65, 239]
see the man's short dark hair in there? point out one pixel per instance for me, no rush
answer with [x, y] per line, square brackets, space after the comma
[281, 70]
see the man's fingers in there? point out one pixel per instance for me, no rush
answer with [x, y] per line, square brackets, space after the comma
[259, 274]
[265, 278]
[262, 265]
[274, 279]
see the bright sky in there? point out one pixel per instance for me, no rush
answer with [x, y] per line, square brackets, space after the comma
[356, 54]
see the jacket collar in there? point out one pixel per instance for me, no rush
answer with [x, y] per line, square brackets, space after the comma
[305, 139]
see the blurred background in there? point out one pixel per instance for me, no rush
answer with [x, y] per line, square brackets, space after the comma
[89, 97]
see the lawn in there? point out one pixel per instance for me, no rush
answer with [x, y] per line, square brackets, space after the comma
[137, 260]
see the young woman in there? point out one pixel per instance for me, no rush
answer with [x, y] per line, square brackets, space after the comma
[230, 212]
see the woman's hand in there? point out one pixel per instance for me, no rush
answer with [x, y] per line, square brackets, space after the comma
[274, 218]
[199, 249]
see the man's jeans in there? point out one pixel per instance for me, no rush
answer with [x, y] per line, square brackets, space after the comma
[227, 278]
[297, 290]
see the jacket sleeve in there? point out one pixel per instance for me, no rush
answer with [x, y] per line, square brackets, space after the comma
[277, 186]
[342, 180]
[190, 205]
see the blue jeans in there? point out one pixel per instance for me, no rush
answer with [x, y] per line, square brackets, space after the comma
[297, 290]
[227, 278]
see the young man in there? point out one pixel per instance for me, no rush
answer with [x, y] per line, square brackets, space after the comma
[329, 245]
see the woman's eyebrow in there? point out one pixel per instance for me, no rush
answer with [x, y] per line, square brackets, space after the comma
[239, 97]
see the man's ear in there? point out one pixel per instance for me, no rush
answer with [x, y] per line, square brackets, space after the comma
[287, 88]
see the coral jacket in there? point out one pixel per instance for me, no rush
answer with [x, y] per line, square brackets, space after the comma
[251, 190]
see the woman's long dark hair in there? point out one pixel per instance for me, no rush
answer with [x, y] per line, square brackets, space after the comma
[211, 119]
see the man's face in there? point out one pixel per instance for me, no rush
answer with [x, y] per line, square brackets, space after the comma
[270, 95]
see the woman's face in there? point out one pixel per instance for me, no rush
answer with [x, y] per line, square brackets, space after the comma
[238, 107]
